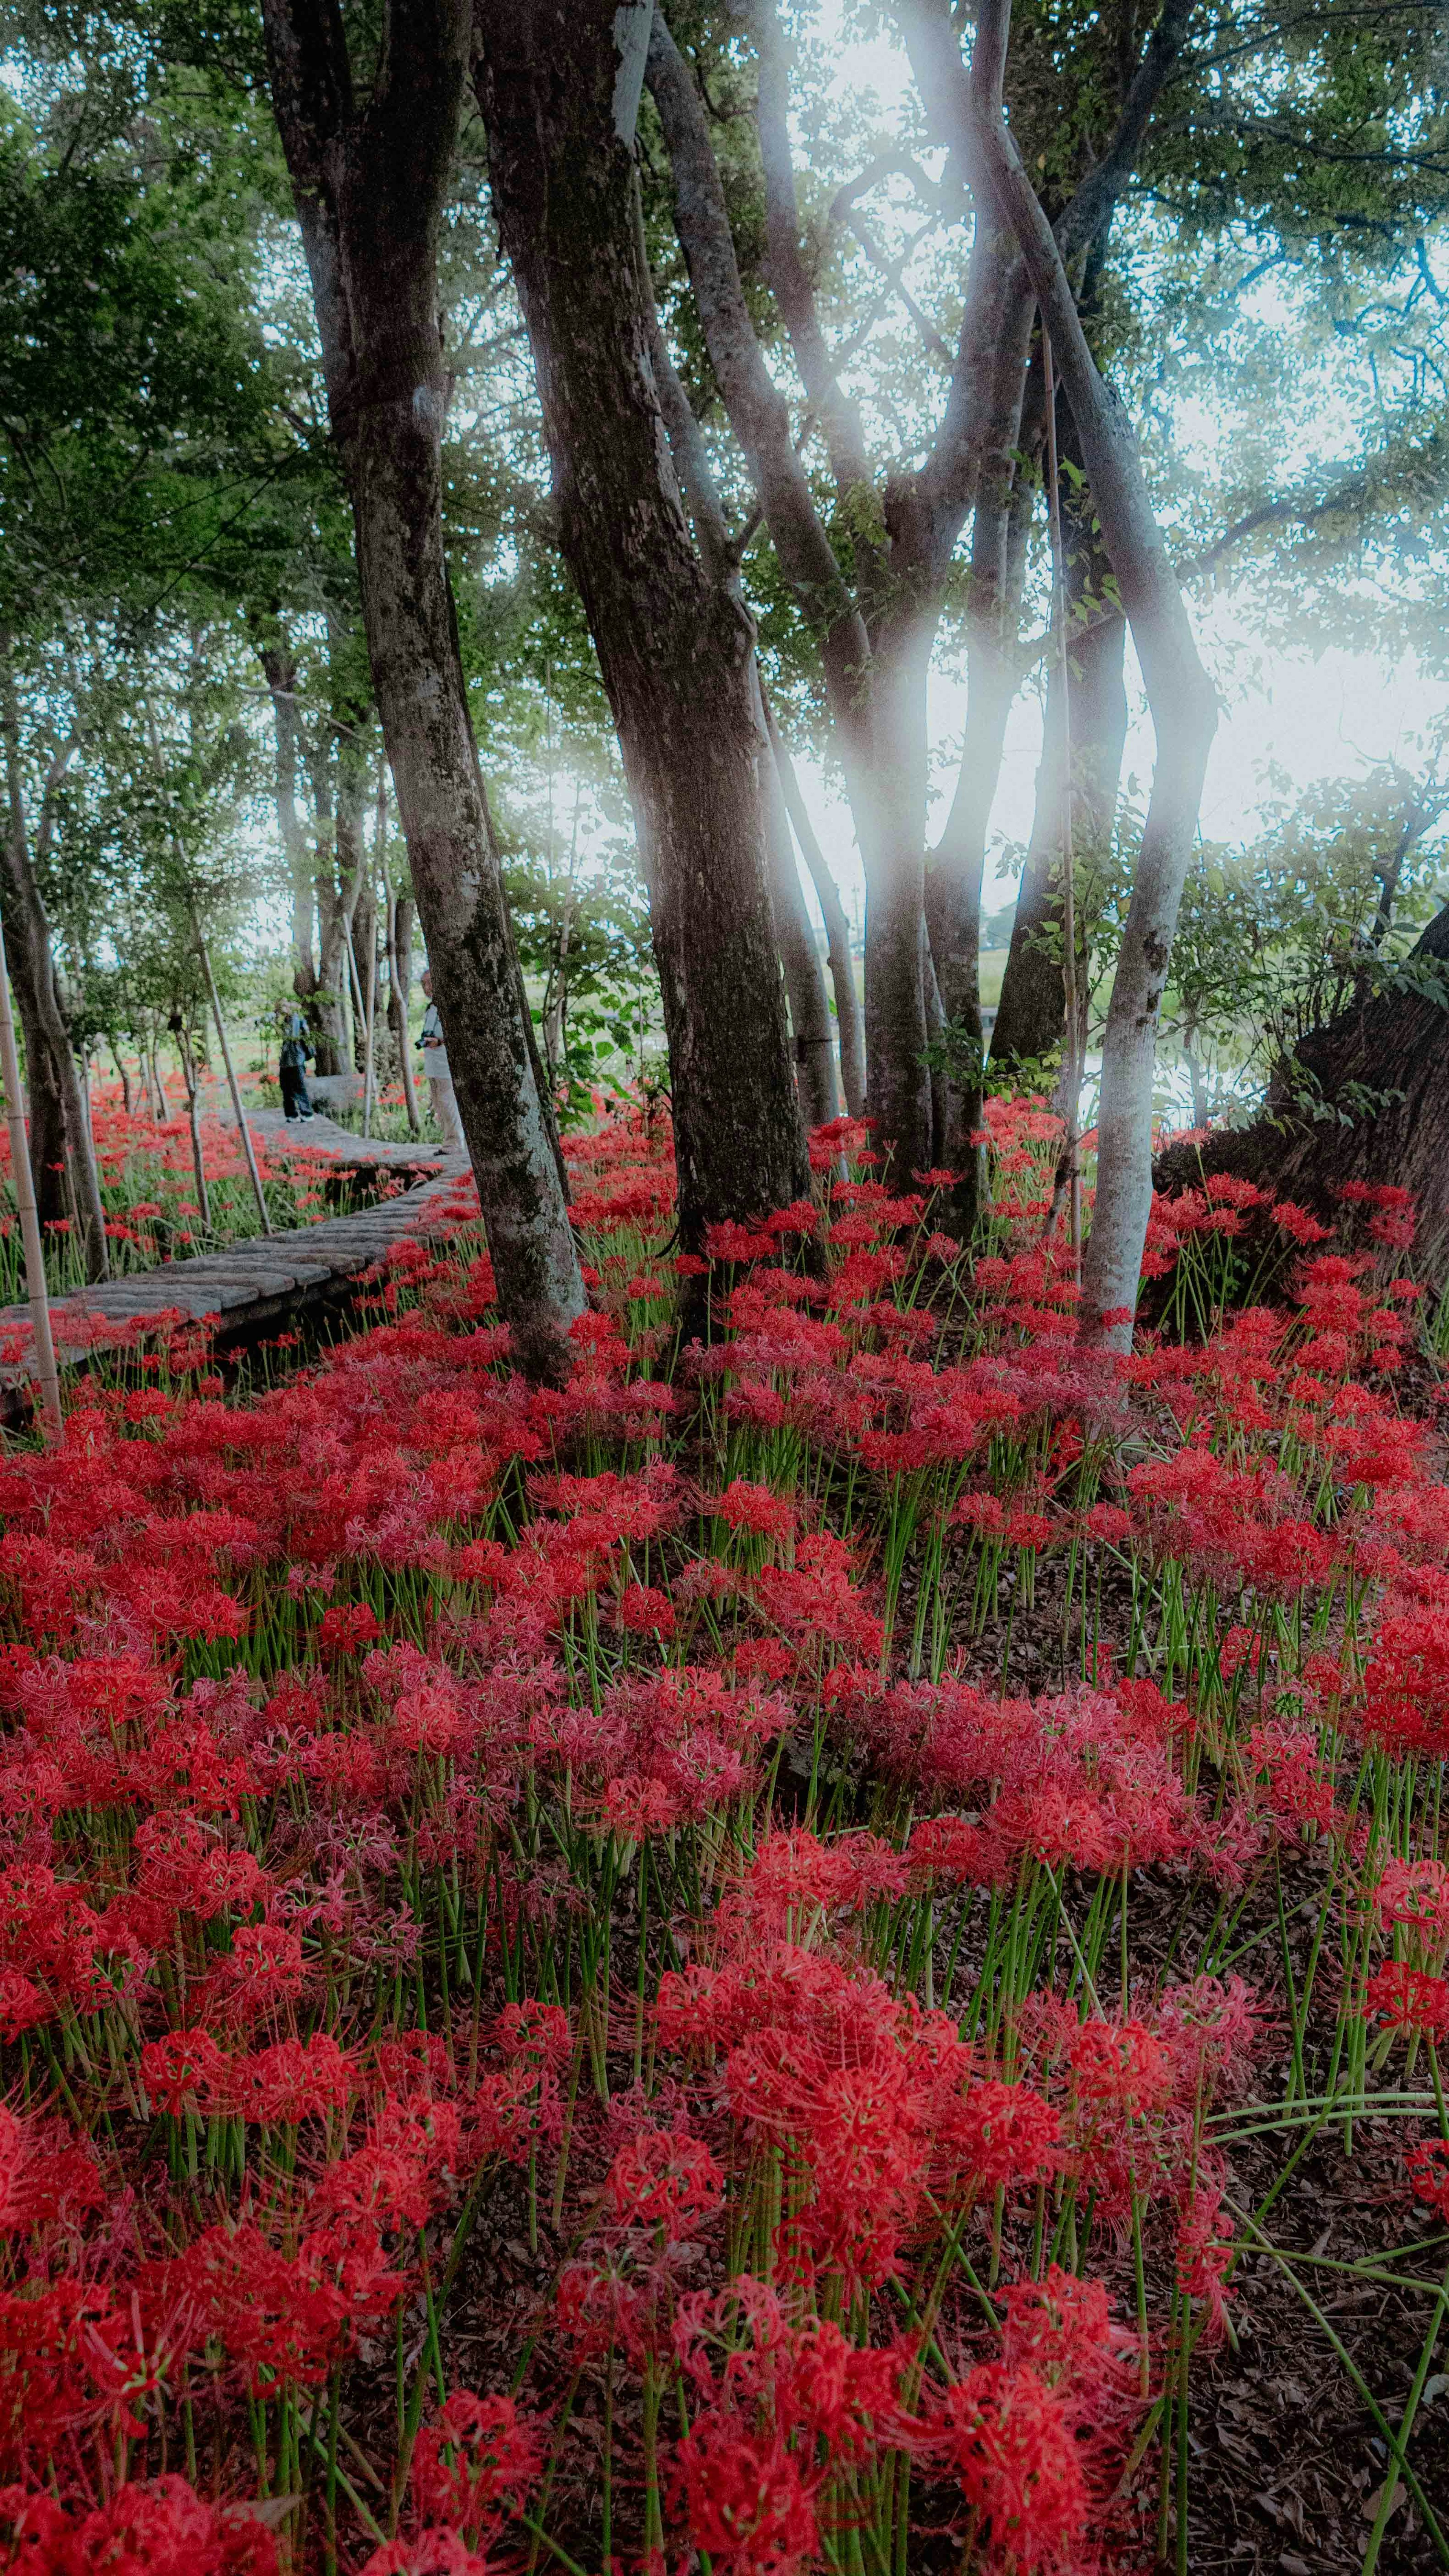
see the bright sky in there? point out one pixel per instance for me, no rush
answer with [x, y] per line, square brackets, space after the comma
[1323, 718]
[1314, 718]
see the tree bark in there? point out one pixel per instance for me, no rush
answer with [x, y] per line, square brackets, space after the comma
[279, 669]
[369, 184]
[1006, 489]
[558, 94]
[1393, 1044]
[804, 980]
[875, 643]
[42, 1082]
[1031, 1016]
[399, 995]
[849, 1022]
[325, 1001]
[33, 937]
[1180, 696]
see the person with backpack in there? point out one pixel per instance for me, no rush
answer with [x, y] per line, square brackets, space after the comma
[296, 1048]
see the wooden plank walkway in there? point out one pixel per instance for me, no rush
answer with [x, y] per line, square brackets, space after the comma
[320, 1134]
[248, 1288]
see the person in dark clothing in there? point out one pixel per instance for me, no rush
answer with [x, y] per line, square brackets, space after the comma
[296, 1048]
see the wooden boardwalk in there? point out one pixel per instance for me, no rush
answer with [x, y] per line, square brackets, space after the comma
[320, 1134]
[249, 1288]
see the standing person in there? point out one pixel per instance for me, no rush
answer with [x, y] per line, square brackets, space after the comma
[296, 1048]
[440, 1082]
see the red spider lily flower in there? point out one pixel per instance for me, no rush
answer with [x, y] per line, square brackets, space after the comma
[477, 2464]
[744, 2499]
[998, 2137]
[1008, 2438]
[1405, 1998]
[666, 2179]
[157, 2528]
[1204, 2251]
[1416, 1893]
[45, 2174]
[730, 1242]
[643, 1611]
[1063, 2327]
[347, 1627]
[1428, 2172]
[755, 1508]
[425, 2553]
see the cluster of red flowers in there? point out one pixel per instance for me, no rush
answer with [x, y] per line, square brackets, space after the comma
[443, 1821]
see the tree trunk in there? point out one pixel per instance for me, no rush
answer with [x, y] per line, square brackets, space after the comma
[559, 94]
[29, 910]
[325, 1001]
[1001, 523]
[799, 956]
[42, 1082]
[191, 1076]
[1393, 1044]
[898, 1080]
[364, 948]
[1180, 696]
[849, 1021]
[399, 995]
[1031, 1016]
[279, 668]
[123, 1070]
[369, 185]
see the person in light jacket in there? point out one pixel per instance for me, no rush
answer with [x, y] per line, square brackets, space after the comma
[440, 1082]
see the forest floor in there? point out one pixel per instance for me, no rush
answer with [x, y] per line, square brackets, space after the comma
[830, 1960]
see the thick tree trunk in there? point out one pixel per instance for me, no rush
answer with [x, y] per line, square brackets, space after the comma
[1392, 1044]
[369, 186]
[558, 94]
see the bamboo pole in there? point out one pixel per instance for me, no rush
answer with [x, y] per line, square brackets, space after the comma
[24, 1185]
[232, 1083]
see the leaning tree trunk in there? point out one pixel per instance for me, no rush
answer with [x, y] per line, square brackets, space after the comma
[1392, 1045]
[1181, 698]
[849, 1019]
[559, 93]
[369, 184]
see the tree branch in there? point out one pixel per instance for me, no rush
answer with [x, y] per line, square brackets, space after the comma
[789, 283]
[758, 411]
[1093, 201]
[1180, 695]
